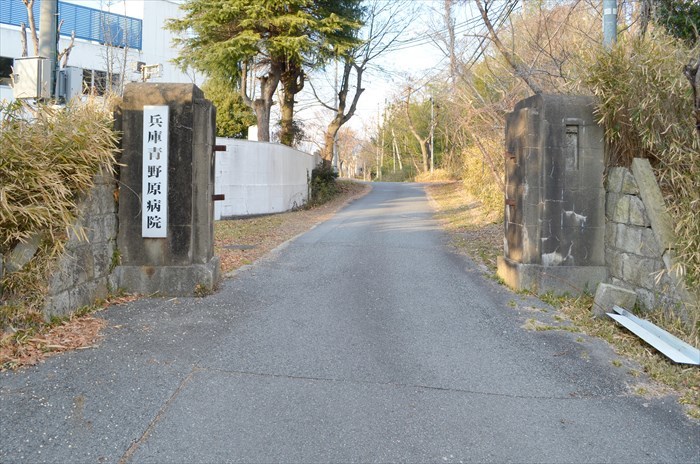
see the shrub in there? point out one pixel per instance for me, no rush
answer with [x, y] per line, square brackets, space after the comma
[322, 184]
[49, 158]
[479, 174]
[646, 108]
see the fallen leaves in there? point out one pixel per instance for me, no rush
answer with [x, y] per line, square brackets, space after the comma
[247, 240]
[77, 333]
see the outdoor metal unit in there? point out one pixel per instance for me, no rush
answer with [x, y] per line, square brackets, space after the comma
[32, 78]
[555, 199]
[70, 83]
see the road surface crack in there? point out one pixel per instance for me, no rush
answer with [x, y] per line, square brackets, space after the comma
[126, 457]
[571, 396]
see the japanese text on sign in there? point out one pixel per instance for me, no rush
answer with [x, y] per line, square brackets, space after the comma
[154, 192]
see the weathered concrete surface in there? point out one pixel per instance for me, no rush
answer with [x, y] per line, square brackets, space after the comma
[607, 296]
[260, 178]
[185, 258]
[639, 240]
[364, 340]
[650, 194]
[555, 200]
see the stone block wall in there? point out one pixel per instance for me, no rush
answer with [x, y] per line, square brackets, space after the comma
[639, 239]
[84, 271]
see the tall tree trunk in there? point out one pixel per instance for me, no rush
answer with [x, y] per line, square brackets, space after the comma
[262, 105]
[423, 142]
[451, 40]
[286, 134]
[292, 83]
[396, 149]
[329, 139]
[262, 114]
[23, 39]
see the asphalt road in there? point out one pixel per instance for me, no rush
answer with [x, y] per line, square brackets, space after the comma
[364, 340]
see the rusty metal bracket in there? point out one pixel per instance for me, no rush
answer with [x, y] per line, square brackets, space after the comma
[219, 148]
[218, 197]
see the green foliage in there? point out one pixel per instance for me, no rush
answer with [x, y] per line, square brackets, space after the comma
[680, 18]
[219, 35]
[296, 134]
[222, 38]
[233, 117]
[646, 107]
[49, 158]
[322, 184]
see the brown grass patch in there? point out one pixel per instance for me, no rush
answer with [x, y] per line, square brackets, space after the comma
[28, 350]
[475, 229]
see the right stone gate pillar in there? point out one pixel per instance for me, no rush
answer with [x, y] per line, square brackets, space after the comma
[555, 198]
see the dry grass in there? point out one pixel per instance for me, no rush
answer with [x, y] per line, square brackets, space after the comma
[438, 175]
[49, 159]
[646, 108]
[239, 242]
[475, 228]
[682, 379]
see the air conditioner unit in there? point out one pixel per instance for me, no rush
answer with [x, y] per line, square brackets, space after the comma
[32, 78]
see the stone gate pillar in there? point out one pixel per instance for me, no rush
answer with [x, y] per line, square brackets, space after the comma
[166, 214]
[555, 200]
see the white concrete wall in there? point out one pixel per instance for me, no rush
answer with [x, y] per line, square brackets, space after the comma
[260, 178]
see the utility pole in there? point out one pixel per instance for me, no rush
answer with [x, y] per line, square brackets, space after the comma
[609, 23]
[48, 37]
[379, 166]
[432, 134]
[383, 124]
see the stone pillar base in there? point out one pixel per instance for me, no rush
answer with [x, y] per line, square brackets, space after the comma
[559, 280]
[169, 280]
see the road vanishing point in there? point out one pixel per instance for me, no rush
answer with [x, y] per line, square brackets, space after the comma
[366, 339]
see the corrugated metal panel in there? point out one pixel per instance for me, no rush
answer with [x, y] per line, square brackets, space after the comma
[88, 23]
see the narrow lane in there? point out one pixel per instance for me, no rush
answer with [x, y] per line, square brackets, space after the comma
[364, 340]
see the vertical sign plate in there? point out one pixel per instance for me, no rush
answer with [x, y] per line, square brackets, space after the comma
[154, 193]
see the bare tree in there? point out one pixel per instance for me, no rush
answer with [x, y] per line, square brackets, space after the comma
[422, 141]
[115, 52]
[519, 68]
[65, 54]
[382, 31]
[32, 29]
[23, 38]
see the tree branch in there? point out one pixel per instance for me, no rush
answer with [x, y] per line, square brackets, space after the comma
[32, 25]
[518, 69]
